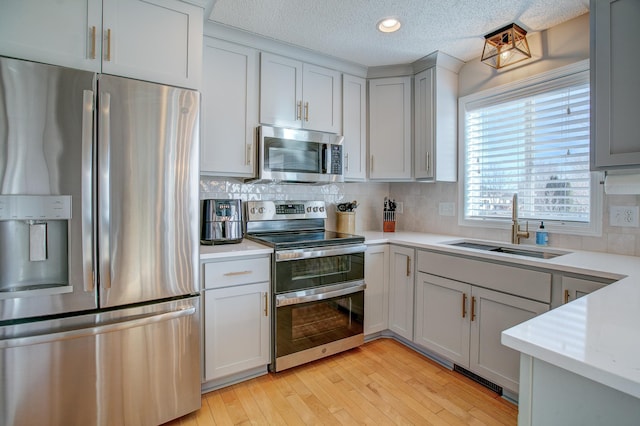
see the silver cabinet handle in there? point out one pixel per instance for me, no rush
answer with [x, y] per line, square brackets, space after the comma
[108, 50]
[92, 50]
[306, 111]
[87, 191]
[266, 304]
[236, 273]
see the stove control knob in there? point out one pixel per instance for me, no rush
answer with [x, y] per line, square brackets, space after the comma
[308, 209]
[261, 210]
[321, 208]
[252, 210]
[315, 209]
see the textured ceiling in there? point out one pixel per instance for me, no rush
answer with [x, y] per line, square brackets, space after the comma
[346, 29]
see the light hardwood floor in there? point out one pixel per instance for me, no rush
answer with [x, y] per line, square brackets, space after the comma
[380, 383]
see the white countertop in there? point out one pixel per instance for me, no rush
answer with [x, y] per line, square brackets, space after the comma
[596, 336]
[244, 248]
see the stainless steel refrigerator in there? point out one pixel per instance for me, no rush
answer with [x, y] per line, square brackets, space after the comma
[99, 308]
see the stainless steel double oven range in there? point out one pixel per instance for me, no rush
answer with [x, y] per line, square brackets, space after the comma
[317, 281]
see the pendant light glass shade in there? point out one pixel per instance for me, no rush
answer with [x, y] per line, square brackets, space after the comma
[505, 46]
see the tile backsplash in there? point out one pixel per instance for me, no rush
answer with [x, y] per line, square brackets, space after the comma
[369, 196]
[420, 210]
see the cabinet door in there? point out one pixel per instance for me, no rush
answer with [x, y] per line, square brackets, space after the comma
[424, 125]
[280, 91]
[229, 109]
[492, 313]
[442, 317]
[321, 106]
[236, 329]
[64, 32]
[615, 83]
[154, 40]
[354, 127]
[390, 128]
[574, 288]
[401, 286]
[376, 295]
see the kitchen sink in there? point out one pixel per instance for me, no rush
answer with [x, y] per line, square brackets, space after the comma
[518, 251]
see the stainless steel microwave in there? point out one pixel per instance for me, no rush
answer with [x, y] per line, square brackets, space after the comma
[296, 155]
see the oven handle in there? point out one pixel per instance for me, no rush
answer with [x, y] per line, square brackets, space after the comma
[298, 297]
[308, 253]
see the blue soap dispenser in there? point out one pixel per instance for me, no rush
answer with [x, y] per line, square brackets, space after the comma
[542, 237]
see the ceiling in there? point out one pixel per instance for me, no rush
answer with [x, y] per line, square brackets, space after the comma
[346, 29]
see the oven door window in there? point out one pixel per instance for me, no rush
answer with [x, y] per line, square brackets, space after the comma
[283, 155]
[307, 325]
[301, 274]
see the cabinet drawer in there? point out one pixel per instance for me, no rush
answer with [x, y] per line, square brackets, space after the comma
[521, 282]
[234, 272]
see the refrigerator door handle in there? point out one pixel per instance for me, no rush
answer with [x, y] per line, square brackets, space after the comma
[87, 190]
[95, 330]
[103, 183]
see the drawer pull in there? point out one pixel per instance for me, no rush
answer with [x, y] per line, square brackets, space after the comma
[473, 308]
[566, 296]
[464, 305]
[233, 274]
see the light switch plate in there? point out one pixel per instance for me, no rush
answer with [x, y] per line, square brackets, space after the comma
[624, 216]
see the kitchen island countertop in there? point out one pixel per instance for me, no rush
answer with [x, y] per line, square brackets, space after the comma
[596, 336]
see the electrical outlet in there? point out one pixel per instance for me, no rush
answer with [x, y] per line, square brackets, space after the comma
[625, 216]
[400, 207]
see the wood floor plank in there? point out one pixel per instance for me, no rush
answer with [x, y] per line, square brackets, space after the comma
[380, 383]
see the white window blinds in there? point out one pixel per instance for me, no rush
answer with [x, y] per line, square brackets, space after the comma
[534, 142]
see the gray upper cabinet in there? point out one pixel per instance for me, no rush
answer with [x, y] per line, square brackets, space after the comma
[435, 125]
[299, 95]
[229, 109]
[615, 84]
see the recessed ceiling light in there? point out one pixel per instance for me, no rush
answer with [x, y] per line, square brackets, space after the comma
[389, 25]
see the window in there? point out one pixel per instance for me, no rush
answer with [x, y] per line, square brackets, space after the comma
[532, 139]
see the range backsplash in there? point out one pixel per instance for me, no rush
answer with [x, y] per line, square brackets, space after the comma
[420, 210]
[370, 197]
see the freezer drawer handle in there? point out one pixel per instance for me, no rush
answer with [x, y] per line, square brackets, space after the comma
[101, 329]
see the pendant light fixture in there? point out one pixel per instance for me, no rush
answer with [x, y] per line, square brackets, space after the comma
[505, 46]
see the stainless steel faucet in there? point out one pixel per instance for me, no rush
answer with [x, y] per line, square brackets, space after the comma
[516, 233]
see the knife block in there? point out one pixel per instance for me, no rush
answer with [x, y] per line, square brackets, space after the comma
[346, 222]
[389, 221]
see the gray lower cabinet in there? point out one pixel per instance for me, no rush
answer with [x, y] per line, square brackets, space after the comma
[236, 319]
[462, 321]
[401, 287]
[376, 295]
[574, 288]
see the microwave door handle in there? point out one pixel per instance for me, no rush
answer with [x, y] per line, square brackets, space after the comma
[325, 158]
